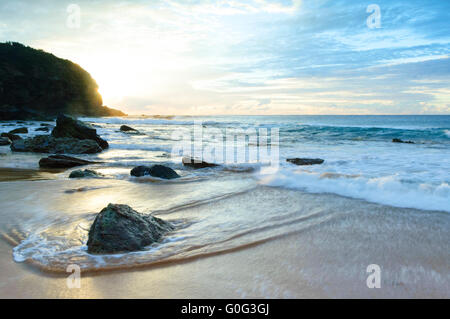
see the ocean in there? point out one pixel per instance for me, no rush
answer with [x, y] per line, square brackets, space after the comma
[368, 187]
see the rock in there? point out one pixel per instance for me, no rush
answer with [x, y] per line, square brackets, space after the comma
[84, 173]
[42, 129]
[155, 171]
[20, 130]
[305, 161]
[46, 124]
[126, 128]
[49, 144]
[119, 228]
[4, 141]
[397, 140]
[67, 126]
[196, 163]
[12, 137]
[62, 161]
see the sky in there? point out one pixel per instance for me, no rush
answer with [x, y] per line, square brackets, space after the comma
[205, 57]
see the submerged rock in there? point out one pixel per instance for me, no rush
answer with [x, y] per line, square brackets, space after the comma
[4, 141]
[119, 228]
[67, 126]
[196, 163]
[305, 161]
[126, 128]
[20, 130]
[397, 140]
[62, 161]
[155, 171]
[84, 173]
[12, 137]
[50, 144]
[42, 129]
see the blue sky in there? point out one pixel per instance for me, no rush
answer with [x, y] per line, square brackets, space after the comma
[252, 57]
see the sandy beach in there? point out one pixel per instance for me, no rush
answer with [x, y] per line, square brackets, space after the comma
[324, 254]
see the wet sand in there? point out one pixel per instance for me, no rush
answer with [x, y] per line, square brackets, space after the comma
[20, 174]
[326, 260]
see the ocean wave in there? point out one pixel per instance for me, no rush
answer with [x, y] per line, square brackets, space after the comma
[387, 190]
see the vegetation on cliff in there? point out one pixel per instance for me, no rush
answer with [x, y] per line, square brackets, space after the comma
[38, 85]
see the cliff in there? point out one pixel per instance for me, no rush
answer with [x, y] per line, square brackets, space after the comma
[38, 85]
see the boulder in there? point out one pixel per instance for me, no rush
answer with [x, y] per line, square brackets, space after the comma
[397, 140]
[12, 137]
[126, 128]
[42, 129]
[62, 161]
[119, 228]
[84, 173]
[305, 161]
[196, 163]
[4, 141]
[155, 171]
[49, 144]
[20, 130]
[67, 126]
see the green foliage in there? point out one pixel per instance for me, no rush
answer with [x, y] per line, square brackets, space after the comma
[38, 82]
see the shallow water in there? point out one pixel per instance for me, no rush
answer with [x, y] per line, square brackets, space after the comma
[372, 201]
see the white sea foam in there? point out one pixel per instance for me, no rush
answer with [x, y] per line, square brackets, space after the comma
[389, 190]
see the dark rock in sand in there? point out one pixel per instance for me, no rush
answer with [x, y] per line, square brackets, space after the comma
[50, 144]
[126, 128]
[155, 171]
[305, 161]
[84, 173]
[42, 129]
[397, 140]
[67, 126]
[62, 161]
[12, 137]
[4, 141]
[196, 163]
[20, 130]
[119, 228]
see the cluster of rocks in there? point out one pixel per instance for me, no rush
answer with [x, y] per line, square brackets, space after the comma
[70, 136]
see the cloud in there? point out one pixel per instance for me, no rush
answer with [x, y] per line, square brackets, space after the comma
[258, 56]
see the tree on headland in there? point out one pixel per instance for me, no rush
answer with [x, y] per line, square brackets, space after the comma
[37, 84]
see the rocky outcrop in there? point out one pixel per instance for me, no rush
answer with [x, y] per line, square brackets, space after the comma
[42, 129]
[305, 161]
[196, 163]
[20, 130]
[62, 161]
[119, 228]
[84, 174]
[50, 144]
[159, 171]
[397, 140]
[67, 126]
[36, 85]
[127, 129]
[12, 137]
[4, 141]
